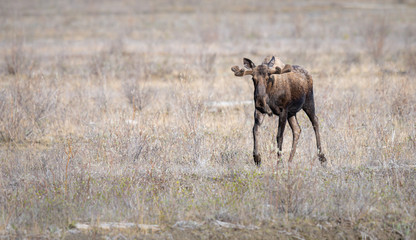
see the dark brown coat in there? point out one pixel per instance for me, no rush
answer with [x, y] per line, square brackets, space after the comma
[282, 92]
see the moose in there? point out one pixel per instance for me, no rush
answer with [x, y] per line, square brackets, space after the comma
[282, 90]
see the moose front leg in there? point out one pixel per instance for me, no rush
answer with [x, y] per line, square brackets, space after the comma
[258, 120]
[294, 125]
[279, 138]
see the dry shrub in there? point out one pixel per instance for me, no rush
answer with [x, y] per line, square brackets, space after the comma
[351, 58]
[113, 61]
[208, 33]
[108, 61]
[410, 61]
[18, 60]
[104, 64]
[299, 24]
[137, 94]
[409, 50]
[397, 90]
[190, 107]
[124, 143]
[26, 107]
[98, 64]
[206, 63]
[189, 113]
[375, 34]
[152, 68]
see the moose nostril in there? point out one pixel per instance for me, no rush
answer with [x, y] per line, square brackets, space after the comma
[260, 102]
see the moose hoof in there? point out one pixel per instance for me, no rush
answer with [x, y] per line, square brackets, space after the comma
[257, 159]
[322, 159]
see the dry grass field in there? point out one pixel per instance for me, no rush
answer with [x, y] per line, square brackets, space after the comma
[107, 114]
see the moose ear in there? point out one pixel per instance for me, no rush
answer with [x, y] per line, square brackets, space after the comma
[270, 64]
[267, 60]
[248, 63]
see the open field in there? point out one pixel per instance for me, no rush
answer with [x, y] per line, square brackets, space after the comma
[116, 111]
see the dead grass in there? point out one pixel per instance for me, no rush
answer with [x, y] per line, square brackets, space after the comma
[112, 126]
[19, 60]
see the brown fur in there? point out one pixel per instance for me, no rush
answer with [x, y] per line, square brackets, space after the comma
[287, 68]
[282, 92]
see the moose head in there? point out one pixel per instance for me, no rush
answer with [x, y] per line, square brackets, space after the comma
[260, 76]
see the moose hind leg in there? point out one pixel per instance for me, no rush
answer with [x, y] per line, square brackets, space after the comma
[294, 125]
[310, 111]
[258, 120]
